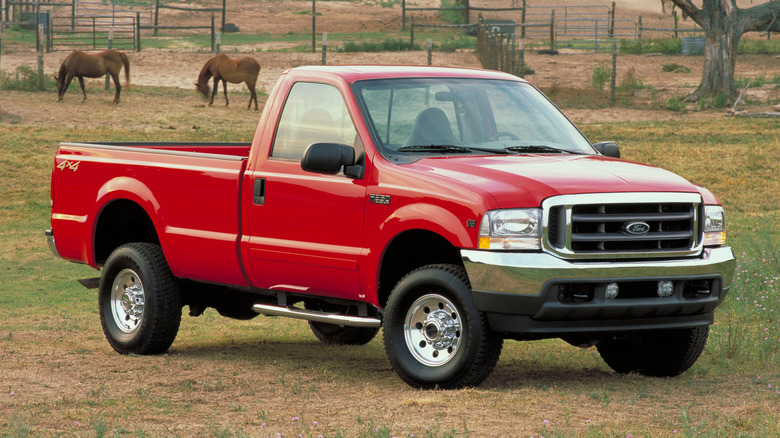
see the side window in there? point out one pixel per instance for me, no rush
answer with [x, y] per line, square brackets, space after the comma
[313, 113]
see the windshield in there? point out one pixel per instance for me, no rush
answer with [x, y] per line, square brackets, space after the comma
[448, 116]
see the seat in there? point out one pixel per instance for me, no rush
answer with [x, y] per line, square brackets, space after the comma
[431, 127]
[315, 126]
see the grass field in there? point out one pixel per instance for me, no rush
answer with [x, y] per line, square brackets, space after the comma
[270, 377]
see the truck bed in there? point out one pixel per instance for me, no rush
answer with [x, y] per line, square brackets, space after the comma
[190, 191]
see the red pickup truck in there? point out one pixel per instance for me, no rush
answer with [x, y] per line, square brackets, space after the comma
[453, 208]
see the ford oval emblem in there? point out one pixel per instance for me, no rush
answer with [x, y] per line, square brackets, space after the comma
[636, 228]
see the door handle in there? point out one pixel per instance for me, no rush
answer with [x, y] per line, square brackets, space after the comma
[258, 197]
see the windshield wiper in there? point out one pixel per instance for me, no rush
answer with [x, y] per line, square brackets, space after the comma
[444, 148]
[434, 148]
[538, 148]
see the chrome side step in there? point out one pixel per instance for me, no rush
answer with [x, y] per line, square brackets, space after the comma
[312, 315]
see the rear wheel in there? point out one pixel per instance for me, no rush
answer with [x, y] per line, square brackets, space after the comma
[338, 334]
[434, 335]
[140, 305]
[662, 353]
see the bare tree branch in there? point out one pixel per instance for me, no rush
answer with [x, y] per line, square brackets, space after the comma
[689, 9]
[762, 18]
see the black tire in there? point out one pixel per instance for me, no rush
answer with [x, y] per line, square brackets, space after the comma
[341, 334]
[662, 353]
[140, 305]
[336, 334]
[433, 332]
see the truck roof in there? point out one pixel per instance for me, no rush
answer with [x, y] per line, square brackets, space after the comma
[352, 73]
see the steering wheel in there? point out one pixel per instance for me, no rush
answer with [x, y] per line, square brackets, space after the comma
[500, 134]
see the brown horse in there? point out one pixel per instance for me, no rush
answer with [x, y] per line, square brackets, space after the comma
[226, 69]
[80, 64]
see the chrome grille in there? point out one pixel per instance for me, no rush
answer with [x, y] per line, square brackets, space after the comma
[631, 225]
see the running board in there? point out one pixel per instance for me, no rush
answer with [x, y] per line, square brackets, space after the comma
[312, 315]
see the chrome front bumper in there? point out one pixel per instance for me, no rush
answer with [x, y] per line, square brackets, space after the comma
[527, 292]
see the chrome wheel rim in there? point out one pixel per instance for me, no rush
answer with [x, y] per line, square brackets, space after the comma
[127, 301]
[432, 330]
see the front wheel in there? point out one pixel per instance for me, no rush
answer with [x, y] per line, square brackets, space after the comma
[140, 305]
[662, 353]
[433, 332]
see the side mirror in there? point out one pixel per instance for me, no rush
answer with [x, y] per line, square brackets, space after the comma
[608, 148]
[329, 158]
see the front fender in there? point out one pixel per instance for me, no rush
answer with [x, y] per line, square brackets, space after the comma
[420, 216]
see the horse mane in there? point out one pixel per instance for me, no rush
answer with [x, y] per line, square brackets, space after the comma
[205, 72]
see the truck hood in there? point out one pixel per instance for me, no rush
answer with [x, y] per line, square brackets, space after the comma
[526, 180]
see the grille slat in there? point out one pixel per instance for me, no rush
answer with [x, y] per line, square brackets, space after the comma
[630, 217]
[612, 237]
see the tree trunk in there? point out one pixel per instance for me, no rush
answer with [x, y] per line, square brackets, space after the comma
[720, 52]
[724, 24]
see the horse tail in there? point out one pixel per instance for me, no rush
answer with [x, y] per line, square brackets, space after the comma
[126, 62]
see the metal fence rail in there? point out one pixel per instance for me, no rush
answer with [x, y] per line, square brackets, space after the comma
[542, 14]
[593, 34]
[86, 9]
[91, 35]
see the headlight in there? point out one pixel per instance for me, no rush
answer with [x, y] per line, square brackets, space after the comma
[511, 229]
[714, 225]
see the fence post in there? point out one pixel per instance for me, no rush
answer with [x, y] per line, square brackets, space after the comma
[1, 47]
[219, 41]
[40, 59]
[324, 48]
[224, 12]
[522, 59]
[411, 38]
[640, 29]
[674, 14]
[430, 52]
[466, 10]
[403, 14]
[614, 74]
[522, 20]
[73, 16]
[552, 30]
[612, 21]
[313, 26]
[499, 50]
[156, 15]
[137, 31]
[596, 36]
[37, 24]
[212, 31]
[49, 32]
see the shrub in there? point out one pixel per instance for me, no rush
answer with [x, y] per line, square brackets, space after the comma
[675, 68]
[387, 45]
[25, 79]
[675, 104]
[602, 72]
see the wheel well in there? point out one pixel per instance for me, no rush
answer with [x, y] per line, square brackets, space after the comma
[409, 251]
[122, 221]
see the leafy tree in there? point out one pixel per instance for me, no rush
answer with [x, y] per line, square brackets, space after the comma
[724, 24]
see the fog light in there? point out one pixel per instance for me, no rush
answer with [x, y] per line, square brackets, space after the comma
[611, 292]
[665, 288]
